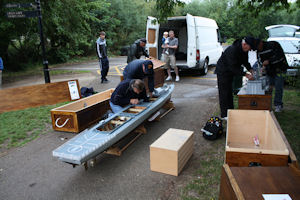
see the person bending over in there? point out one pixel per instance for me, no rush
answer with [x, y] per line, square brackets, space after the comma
[128, 92]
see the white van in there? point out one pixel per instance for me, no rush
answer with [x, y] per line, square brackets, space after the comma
[198, 40]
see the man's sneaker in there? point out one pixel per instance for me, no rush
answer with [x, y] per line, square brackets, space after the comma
[168, 78]
[224, 118]
[177, 78]
[278, 108]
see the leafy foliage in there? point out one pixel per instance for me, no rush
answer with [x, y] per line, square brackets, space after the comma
[71, 27]
[166, 8]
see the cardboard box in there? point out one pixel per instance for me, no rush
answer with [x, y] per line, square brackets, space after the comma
[171, 151]
[252, 182]
[242, 127]
[79, 115]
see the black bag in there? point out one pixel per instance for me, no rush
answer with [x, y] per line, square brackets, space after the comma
[85, 92]
[213, 128]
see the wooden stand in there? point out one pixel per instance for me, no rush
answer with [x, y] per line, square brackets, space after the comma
[118, 148]
[124, 143]
[168, 107]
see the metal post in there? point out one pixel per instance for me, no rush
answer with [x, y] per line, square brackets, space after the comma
[45, 61]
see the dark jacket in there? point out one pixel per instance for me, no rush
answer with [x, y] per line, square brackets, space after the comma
[134, 70]
[231, 60]
[273, 52]
[124, 92]
[101, 48]
[136, 51]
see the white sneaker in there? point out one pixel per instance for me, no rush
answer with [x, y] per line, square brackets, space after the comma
[177, 78]
[168, 78]
[278, 109]
[224, 118]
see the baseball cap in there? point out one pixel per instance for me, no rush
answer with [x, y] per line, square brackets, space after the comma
[252, 42]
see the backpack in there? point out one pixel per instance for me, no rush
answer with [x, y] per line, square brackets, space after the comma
[213, 128]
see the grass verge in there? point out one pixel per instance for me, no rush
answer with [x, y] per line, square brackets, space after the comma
[289, 119]
[207, 178]
[19, 127]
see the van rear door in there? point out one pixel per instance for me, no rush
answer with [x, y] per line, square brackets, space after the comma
[191, 41]
[152, 36]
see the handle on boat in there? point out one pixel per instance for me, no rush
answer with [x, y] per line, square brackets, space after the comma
[60, 126]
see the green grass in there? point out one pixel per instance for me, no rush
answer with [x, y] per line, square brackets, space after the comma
[207, 178]
[19, 127]
[289, 119]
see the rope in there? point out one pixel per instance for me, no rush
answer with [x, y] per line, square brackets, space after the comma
[60, 126]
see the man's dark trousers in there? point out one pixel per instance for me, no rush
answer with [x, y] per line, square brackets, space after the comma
[104, 68]
[225, 93]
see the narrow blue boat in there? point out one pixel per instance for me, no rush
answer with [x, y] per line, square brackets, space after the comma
[93, 141]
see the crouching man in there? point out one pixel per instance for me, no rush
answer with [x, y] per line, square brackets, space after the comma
[128, 92]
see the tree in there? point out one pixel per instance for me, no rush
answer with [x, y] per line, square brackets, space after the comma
[166, 8]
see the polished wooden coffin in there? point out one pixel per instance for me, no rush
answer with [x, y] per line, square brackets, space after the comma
[255, 102]
[79, 115]
[243, 126]
[243, 183]
[38, 95]
[171, 151]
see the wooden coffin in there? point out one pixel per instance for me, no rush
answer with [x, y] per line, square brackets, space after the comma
[255, 102]
[38, 95]
[171, 151]
[244, 183]
[242, 127]
[79, 115]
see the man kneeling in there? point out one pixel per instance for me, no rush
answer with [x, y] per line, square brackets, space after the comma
[128, 92]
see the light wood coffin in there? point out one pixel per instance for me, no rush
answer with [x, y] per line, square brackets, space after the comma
[79, 115]
[171, 151]
[242, 127]
[242, 183]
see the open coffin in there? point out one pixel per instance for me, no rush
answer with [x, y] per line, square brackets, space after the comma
[79, 115]
[243, 126]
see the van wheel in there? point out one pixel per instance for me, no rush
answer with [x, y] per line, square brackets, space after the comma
[204, 70]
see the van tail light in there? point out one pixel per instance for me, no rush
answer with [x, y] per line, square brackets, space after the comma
[197, 55]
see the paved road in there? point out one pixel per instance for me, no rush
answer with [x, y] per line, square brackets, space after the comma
[31, 172]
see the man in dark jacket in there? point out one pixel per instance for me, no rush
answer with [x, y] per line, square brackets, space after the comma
[102, 55]
[140, 69]
[272, 58]
[228, 66]
[127, 92]
[136, 50]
